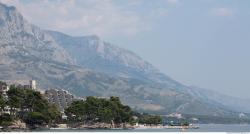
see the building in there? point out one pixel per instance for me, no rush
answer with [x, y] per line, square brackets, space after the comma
[61, 98]
[32, 84]
[3, 89]
[23, 84]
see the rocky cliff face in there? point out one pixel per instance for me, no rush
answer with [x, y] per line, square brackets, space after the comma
[20, 40]
[88, 66]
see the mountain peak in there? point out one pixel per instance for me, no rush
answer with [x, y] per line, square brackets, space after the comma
[26, 39]
[11, 8]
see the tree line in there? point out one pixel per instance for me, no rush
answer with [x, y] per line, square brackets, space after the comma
[94, 110]
[33, 108]
[106, 110]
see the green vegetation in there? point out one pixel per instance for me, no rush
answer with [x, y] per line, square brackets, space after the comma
[2, 103]
[100, 110]
[29, 106]
[32, 108]
[36, 118]
[185, 123]
[5, 120]
[149, 119]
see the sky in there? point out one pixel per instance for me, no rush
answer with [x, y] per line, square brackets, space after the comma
[205, 43]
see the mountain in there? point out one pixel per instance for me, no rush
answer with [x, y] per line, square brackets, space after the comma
[236, 104]
[21, 39]
[92, 52]
[88, 66]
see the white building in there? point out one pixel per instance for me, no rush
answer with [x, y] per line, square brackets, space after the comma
[33, 84]
[61, 98]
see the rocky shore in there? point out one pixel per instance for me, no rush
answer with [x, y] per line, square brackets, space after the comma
[18, 126]
[97, 126]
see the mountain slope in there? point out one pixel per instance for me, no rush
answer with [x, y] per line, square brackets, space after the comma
[87, 66]
[236, 104]
[92, 52]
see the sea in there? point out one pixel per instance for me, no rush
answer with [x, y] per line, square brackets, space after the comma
[202, 128]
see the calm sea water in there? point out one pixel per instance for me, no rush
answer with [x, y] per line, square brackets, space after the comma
[202, 128]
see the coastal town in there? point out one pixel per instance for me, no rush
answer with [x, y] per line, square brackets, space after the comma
[25, 107]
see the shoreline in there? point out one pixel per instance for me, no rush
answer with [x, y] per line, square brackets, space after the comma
[168, 127]
[65, 127]
[202, 128]
[139, 127]
[126, 128]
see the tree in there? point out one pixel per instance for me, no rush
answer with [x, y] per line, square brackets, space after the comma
[53, 114]
[38, 105]
[150, 119]
[99, 110]
[126, 114]
[5, 120]
[15, 99]
[29, 105]
[2, 103]
[105, 115]
[33, 101]
[36, 118]
[76, 111]
[92, 105]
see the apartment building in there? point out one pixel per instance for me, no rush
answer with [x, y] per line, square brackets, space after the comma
[61, 98]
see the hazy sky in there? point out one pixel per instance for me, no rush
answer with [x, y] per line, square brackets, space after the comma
[197, 42]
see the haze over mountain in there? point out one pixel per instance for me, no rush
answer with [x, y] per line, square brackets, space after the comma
[92, 52]
[88, 66]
